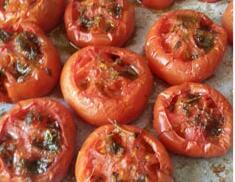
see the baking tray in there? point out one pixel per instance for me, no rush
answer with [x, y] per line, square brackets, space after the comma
[185, 169]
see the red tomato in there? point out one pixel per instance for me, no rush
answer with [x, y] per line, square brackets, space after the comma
[99, 22]
[194, 119]
[157, 4]
[37, 142]
[185, 45]
[29, 66]
[45, 13]
[227, 21]
[106, 83]
[122, 153]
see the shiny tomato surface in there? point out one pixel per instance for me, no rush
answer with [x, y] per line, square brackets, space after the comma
[227, 21]
[37, 142]
[185, 45]
[106, 83]
[29, 63]
[99, 22]
[195, 120]
[157, 4]
[122, 153]
[45, 13]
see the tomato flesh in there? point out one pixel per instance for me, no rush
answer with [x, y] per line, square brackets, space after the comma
[108, 73]
[188, 38]
[121, 154]
[195, 117]
[30, 142]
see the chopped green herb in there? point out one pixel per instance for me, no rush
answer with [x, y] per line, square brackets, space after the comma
[38, 166]
[109, 26]
[129, 72]
[114, 147]
[5, 4]
[4, 35]
[204, 39]
[117, 10]
[28, 44]
[86, 22]
[51, 140]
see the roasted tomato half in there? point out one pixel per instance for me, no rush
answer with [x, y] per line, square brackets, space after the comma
[106, 83]
[227, 21]
[122, 153]
[194, 119]
[45, 13]
[157, 4]
[185, 45]
[29, 63]
[99, 22]
[37, 141]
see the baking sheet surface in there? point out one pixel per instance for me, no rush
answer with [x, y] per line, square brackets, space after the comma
[185, 169]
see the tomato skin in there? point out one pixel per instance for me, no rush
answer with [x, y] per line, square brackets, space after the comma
[157, 4]
[40, 82]
[227, 21]
[58, 170]
[123, 32]
[91, 105]
[82, 162]
[175, 70]
[41, 12]
[180, 145]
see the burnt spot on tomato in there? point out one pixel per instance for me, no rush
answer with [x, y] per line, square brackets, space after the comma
[5, 4]
[28, 44]
[7, 149]
[86, 22]
[204, 39]
[129, 72]
[39, 166]
[117, 10]
[115, 177]
[124, 69]
[5, 35]
[214, 127]
[113, 145]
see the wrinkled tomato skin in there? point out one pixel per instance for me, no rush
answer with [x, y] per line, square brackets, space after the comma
[40, 82]
[178, 144]
[58, 170]
[174, 70]
[157, 4]
[83, 160]
[44, 13]
[117, 38]
[227, 21]
[97, 109]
